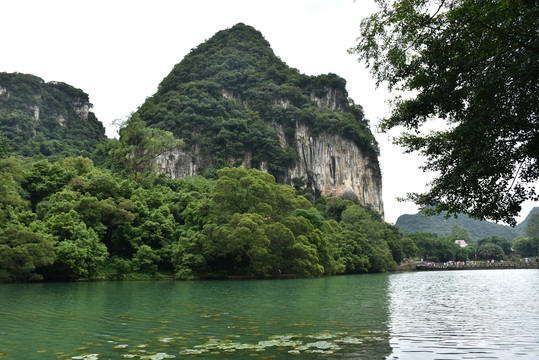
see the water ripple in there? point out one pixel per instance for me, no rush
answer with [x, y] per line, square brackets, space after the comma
[464, 314]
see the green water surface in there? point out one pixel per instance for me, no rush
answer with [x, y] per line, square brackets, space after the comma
[483, 314]
[296, 318]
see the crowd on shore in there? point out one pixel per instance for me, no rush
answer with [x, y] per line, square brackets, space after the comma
[523, 262]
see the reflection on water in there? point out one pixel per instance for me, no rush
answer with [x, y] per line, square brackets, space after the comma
[487, 314]
[327, 318]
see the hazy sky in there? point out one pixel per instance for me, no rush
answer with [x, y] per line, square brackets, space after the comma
[119, 51]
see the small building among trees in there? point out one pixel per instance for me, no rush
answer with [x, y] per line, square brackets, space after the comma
[461, 243]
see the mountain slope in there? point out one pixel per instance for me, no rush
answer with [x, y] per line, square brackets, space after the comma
[49, 119]
[477, 229]
[234, 102]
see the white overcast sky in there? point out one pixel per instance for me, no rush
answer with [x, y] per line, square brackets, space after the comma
[118, 51]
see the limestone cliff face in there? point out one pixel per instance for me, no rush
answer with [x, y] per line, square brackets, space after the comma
[181, 163]
[336, 167]
[329, 163]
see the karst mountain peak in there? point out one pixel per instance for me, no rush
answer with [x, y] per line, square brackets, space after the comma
[234, 102]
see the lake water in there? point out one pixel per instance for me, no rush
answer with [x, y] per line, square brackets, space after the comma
[480, 314]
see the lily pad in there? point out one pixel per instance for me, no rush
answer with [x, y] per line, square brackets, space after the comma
[349, 340]
[193, 351]
[86, 357]
[324, 345]
[166, 339]
[159, 356]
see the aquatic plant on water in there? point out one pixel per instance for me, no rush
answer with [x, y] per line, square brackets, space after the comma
[326, 342]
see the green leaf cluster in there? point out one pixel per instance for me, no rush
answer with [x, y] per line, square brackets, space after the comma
[474, 65]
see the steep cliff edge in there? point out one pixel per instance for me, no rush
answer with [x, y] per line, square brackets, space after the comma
[234, 102]
[335, 166]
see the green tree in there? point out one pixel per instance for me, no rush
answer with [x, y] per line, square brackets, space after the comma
[434, 248]
[370, 241]
[10, 189]
[409, 248]
[240, 190]
[145, 260]
[460, 233]
[5, 146]
[281, 242]
[490, 251]
[526, 246]
[473, 64]
[247, 240]
[44, 179]
[497, 240]
[79, 256]
[140, 145]
[532, 227]
[22, 253]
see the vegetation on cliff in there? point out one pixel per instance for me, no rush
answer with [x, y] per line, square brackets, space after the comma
[46, 119]
[224, 95]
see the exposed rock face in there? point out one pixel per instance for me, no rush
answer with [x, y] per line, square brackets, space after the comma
[336, 167]
[332, 100]
[82, 108]
[181, 163]
[329, 163]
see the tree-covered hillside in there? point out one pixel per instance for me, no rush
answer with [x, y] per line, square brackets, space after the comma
[223, 96]
[46, 119]
[64, 218]
[438, 224]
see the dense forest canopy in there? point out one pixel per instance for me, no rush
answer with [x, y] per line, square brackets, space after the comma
[72, 220]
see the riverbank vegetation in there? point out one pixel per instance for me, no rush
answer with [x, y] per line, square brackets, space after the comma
[70, 220]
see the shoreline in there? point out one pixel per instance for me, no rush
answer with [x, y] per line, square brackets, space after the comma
[425, 266]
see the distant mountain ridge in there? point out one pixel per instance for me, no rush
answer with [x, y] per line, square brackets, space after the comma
[477, 229]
